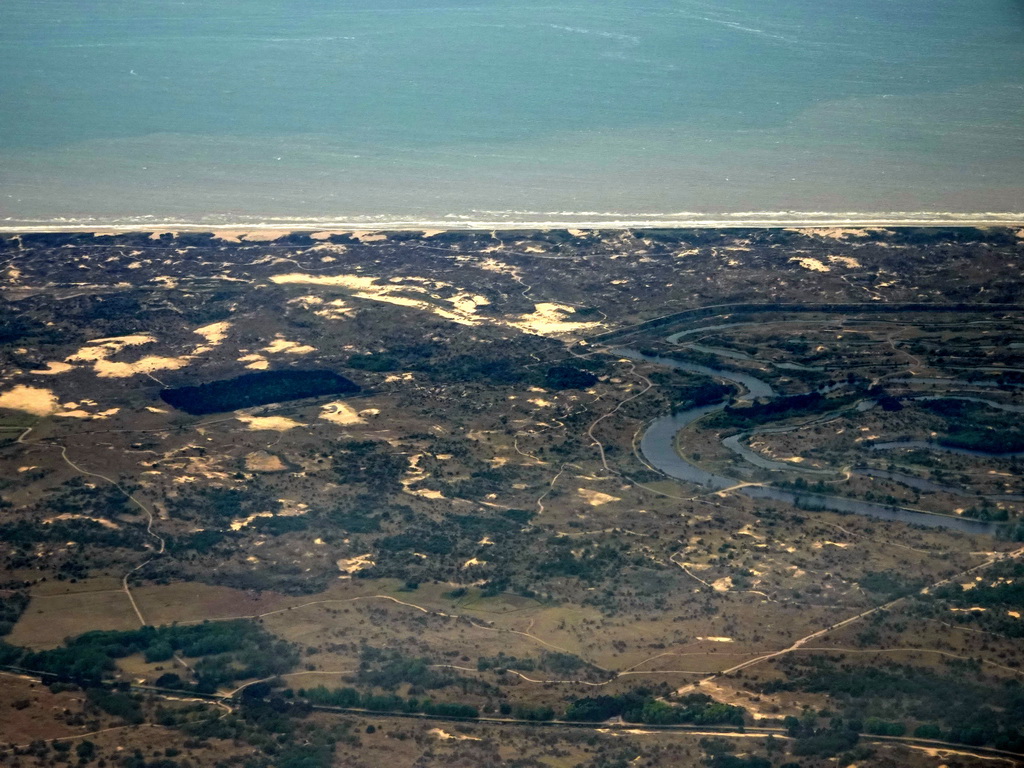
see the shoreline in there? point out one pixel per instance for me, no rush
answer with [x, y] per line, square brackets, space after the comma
[768, 220]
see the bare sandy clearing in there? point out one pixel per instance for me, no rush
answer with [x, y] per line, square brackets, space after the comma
[596, 498]
[119, 342]
[255, 362]
[395, 291]
[237, 525]
[72, 411]
[274, 423]
[261, 461]
[250, 235]
[354, 564]
[215, 333]
[445, 736]
[282, 345]
[812, 264]
[108, 369]
[340, 413]
[368, 237]
[847, 261]
[34, 400]
[98, 352]
[722, 585]
[550, 319]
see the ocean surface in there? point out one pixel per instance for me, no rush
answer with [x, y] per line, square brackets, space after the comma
[381, 113]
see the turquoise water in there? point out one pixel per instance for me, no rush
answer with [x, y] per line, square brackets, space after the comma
[114, 111]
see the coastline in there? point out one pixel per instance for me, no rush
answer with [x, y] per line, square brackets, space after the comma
[585, 222]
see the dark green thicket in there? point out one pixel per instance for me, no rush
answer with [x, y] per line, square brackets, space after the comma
[226, 651]
[11, 608]
[961, 705]
[641, 706]
[255, 389]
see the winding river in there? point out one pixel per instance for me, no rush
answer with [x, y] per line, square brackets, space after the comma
[658, 446]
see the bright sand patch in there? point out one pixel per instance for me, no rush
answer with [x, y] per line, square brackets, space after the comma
[596, 498]
[255, 362]
[445, 736]
[275, 423]
[831, 233]
[98, 351]
[368, 237]
[847, 261]
[716, 639]
[280, 344]
[261, 461]
[549, 319]
[461, 307]
[354, 564]
[34, 400]
[215, 333]
[722, 585]
[71, 410]
[473, 561]
[253, 236]
[119, 342]
[340, 413]
[107, 369]
[237, 525]
[812, 264]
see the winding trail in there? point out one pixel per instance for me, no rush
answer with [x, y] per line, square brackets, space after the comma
[162, 544]
[802, 642]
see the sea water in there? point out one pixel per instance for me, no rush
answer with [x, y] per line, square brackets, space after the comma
[457, 113]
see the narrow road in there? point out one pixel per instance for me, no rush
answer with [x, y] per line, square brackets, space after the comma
[125, 587]
[797, 645]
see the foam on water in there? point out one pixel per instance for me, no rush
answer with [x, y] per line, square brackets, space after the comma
[521, 220]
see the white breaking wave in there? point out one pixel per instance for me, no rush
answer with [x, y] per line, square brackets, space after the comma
[521, 219]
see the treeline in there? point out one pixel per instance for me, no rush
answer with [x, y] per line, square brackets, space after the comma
[975, 426]
[1004, 439]
[350, 698]
[960, 706]
[275, 724]
[779, 408]
[640, 706]
[226, 651]
[11, 608]
[253, 389]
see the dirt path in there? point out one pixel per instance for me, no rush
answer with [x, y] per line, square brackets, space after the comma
[125, 587]
[802, 642]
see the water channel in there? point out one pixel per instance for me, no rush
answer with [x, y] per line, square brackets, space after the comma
[658, 446]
